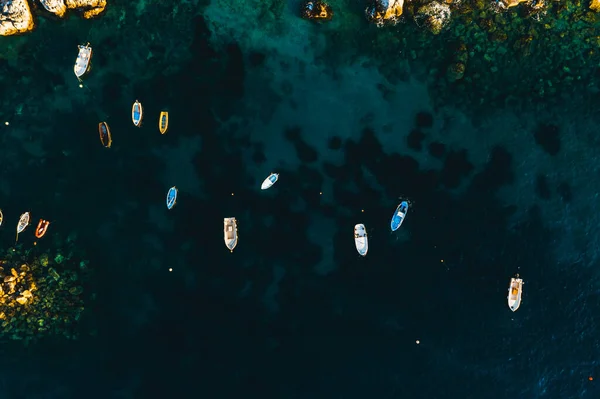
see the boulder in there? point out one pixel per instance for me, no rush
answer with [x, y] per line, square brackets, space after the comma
[434, 16]
[15, 17]
[595, 5]
[87, 8]
[56, 7]
[384, 12]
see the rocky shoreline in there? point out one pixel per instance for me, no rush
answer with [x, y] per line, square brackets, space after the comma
[17, 18]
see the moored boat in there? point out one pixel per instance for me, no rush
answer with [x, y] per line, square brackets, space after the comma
[269, 181]
[1, 217]
[172, 197]
[137, 113]
[399, 215]
[22, 224]
[230, 233]
[163, 122]
[41, 228]
[361, 241]
[82, 63]
[105, 137]
[515, 291]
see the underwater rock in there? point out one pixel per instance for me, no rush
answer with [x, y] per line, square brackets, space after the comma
[434, 16]
[316, 10]
[384, 12]
[15, 17]
[511, 3]
[456, 71]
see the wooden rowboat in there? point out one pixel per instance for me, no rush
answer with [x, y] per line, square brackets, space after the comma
[163, 122]
[23, 223]
[105, 137]
[1, 217]
[137, 113]
[82, 63]
[41, 228]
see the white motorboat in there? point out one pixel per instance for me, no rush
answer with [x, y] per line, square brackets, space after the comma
[230, 233]
[82, 63]
[360, 239]
[269, 181]
[515, 291]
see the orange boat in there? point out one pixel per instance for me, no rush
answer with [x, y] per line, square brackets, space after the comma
[105, 137]
[41, 228]
[163, 122]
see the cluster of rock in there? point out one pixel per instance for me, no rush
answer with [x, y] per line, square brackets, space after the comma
[434, 15]
[35, 300]
[16, 16]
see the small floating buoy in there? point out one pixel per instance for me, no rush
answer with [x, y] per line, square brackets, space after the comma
[170, 269]
[81, 85]
[417, 342]
[6, 123]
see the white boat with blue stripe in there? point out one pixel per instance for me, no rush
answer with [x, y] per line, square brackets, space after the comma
[137, 113]
[399, 215]
[172, 197]
[269, 181]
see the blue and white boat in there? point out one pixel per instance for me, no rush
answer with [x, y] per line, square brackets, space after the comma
[172, 197]
[269, 181]
[399, 215]
[137, 113]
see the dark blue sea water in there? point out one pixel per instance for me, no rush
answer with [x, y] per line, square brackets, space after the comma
[501, 180]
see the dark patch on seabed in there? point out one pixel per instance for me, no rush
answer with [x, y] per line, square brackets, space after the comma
[204, 330]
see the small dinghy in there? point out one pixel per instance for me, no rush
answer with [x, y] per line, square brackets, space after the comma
[269, 181]
[23, 223]
[82, 63]
[360, 239]
[105, 137]
[172, 197]
[163, 122]
[230, 233]
[399, 215]
[137, 113]
[1, 217]
[41, 228]
[515, 290]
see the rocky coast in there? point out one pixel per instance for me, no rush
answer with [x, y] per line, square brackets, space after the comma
[17, 17]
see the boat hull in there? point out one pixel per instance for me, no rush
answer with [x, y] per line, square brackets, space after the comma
[269, 181]
[163, 122]
[137, 113]
[230, 233]
[515, 293]
[105, 136]
[399, 216]
[361, 240]
[41, 228]
[172, 197]
[83, 61]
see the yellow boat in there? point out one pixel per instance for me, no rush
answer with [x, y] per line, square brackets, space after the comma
[163, 122]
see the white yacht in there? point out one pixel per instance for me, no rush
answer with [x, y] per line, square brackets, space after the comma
[230, 233]
[360, 239]
[269, 181]
[515, 291]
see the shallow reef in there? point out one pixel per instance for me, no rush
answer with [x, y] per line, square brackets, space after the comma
[41, 293]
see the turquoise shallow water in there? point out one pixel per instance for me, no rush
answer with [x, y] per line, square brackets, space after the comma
[294, 312]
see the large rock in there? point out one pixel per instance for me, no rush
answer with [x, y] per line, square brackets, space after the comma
[434, 16]
[595, 5]
[56, 7]
[15, 17]
[87, 8]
